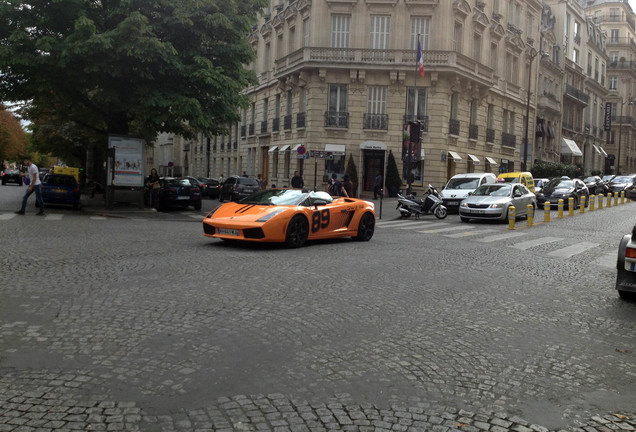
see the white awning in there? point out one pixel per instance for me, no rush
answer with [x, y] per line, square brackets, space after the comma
[596, 149]
[373, 145]
[491, 161]
[295, 149]
[456, 157]
[284, 148]
[474, 159]
[569, 147]
[336, 149]
[602, 151]
[272, 149]
[422, 154]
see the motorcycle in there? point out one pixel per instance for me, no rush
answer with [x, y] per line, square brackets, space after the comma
[431, 204]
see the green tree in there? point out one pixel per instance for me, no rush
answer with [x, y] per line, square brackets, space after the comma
[393, 180]
[352, 172]
[89, 69]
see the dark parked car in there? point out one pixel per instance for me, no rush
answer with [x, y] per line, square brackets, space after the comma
[213, 186]
[179, 192]
[595, 185]
[60, 189]
[564, 188]
[620, 183]
[11, 175]
[234, 188]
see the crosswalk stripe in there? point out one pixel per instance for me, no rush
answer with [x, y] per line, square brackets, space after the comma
[196, 216]
[469, 233]
[53, 216]
[98, 218]
[396, 224]
[499, 237]
[607, 260]
[453, 228]
[572, 250]
[7, 216]
[533, 243]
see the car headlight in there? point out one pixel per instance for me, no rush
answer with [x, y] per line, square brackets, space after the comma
[496, 206]
[268, 216]
[464, 205]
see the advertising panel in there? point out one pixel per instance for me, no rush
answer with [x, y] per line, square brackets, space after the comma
[125, 166]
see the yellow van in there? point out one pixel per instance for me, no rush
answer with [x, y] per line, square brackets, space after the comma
[525, 178]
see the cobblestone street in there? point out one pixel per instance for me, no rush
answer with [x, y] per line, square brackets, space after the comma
[133, 323]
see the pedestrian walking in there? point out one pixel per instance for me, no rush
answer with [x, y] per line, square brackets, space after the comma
[297, 181]
[34, 186]
[259, 180]
[153, 186]
[335, 187]
[377, 186]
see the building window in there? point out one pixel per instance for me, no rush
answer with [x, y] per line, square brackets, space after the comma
[613, 82]
[416, 106]
[340, 31]
[337, 115]
[380, 31]
[493, 57]
[420, 26]
[291, 41]
[306, 32]
[458, 37]
[614, 36]
[376, 117]
[477, 47]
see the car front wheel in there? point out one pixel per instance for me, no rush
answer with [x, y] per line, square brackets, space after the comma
[297, 232]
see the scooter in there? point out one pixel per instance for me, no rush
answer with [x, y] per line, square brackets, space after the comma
[432, 204]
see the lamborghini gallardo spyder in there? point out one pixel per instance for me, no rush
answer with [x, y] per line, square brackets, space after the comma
[291, 216]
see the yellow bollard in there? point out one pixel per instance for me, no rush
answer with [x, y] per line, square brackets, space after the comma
[570, 206]
[600, 201]
[582, 204]
[592, 201]
[530, 214]
[512, 216]
[560, 208]
[616, 198]
[622, 197]
[546, 210]
[609, 199]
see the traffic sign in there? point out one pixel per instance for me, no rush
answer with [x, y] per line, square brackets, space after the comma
[301, 150]
[321, 154]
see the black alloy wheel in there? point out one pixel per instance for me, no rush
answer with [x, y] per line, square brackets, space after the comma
[366, 227]
[297, 232]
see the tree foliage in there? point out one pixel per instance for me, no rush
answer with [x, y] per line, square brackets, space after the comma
[13, 139]
[352, 172]
[553, 169]
[138, 67]
[393, 180]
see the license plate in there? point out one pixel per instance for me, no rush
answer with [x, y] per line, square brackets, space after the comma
[183, 197]
[248, 190]
[452, 204]
[226, 231]
[59, 190]
[632, 266]
[477, 211]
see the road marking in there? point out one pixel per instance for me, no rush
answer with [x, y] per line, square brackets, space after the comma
[533, 243]
[395, 224]
[470, 233]
[98, 217]
[53, 216]
[453, 228]
[7, 216]
[607, 260]
[197, 216]
[499, 237]
[572, 250]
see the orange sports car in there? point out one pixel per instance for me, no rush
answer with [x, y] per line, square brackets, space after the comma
[291, 216]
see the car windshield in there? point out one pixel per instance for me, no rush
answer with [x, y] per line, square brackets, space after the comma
[608, 177]
[509, 179]
[493, 190]
[560, 184]
[285, 197]
[590, 180]
[60, 180]
[176, 182]
[247, 181]
[623, 179]
[462, 183]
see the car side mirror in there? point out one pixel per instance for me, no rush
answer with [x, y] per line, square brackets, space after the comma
[319, 202]
[517, 194]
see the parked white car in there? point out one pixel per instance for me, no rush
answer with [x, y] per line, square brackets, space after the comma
[461, 185]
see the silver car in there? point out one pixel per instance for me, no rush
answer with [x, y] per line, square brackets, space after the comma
[493, 201]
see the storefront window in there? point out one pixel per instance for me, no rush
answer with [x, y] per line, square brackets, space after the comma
[416, 172]
[335, 165]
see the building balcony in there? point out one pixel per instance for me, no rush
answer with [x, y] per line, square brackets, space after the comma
[454, 127]
[276, 124]
[243, 130]
[356, 58]
[300, 120]
[508, 140]
[337, 119]
[576, 95]
[375, 121]
[622, 65]
[264, 126]
[251, 129]
[614, 18]
[287, 122]
[473, 131]
[490, 136]
[423, 119]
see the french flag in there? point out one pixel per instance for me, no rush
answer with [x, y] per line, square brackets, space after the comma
[420, 58]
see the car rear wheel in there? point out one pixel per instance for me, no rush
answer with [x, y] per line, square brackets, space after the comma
[626, 295]
[366, 227]
[297, 232]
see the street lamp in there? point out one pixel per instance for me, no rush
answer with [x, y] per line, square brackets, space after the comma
[533, 54]
[620, 133]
